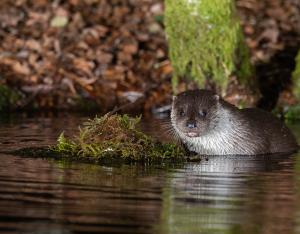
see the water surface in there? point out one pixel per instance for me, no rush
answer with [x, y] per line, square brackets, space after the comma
[218, 195]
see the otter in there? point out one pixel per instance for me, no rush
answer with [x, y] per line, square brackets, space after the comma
[208, 125]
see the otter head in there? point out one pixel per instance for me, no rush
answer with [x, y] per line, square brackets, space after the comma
[194, 112]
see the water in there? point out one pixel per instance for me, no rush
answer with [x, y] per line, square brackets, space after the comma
[219, 195]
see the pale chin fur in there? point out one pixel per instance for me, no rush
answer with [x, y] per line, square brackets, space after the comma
[192, 134]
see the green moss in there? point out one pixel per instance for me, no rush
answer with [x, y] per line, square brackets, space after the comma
[292, 113]
[206, 41]
[296, 78]
[116, 137]
[8, 98]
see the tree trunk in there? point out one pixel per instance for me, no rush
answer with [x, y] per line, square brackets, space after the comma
[206, 43]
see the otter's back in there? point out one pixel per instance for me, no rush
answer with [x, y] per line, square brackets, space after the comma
[264, 123]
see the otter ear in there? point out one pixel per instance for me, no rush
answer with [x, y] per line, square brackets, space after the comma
[217, 97]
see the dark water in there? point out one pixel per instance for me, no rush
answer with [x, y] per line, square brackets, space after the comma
[222, 195]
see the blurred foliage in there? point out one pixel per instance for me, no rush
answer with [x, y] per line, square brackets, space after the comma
[206, 41]
[292, 113]
[85, 104]
[8, 98]
[296, 77]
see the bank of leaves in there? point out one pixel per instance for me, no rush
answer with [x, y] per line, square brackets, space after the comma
[116, 137]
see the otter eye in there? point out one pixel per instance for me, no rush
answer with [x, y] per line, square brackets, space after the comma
[202, 113]
[182, 113]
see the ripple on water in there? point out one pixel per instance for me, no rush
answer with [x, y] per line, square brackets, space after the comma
[219, 195]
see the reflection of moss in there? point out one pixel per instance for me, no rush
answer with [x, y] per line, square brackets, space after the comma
[8, 98]
[116, 137]
[206, 41]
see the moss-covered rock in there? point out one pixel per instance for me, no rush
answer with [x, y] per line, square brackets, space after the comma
[115, 137]
[206, 41]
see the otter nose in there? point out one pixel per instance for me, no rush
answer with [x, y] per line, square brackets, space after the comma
[191, 124]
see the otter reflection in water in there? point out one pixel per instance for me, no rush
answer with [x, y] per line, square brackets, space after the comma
[234, 194]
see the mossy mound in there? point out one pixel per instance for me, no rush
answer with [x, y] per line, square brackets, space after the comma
[115, 137]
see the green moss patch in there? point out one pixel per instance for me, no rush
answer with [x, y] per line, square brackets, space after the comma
[115, 137]
[292, 113]
[206, 41]
[296, 77]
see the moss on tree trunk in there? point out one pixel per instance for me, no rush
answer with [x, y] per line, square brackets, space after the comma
[296, 78]
[206, 42]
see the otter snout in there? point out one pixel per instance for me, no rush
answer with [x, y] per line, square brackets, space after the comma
[191, 124]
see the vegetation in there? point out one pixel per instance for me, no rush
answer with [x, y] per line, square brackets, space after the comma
[116, 137]
[206, 41]
[8, 98]
[296, 78]
[292, 113]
